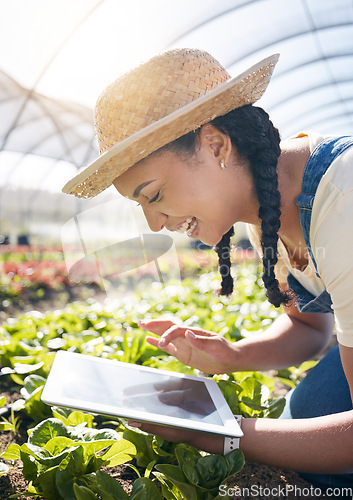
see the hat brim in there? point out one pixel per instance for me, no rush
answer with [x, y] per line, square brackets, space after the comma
[243, 89]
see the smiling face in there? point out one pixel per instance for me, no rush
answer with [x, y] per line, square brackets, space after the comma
[193, 195]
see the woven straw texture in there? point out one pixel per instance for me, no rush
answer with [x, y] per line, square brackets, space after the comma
[159, 101]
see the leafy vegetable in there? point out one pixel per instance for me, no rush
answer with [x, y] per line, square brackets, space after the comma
[150, 448]
[58, 457]
[198, 477]
[67, 449]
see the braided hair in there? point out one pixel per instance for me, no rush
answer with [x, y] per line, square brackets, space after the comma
[224, 264]
[257, 140]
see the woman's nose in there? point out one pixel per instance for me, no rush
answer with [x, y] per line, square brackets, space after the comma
[155, 219]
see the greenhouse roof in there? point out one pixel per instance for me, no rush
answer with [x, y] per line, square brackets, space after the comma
[57, 56]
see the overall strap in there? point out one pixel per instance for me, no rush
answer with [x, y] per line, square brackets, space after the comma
[319, 161]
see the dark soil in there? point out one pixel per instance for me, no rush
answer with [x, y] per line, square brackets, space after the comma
[253, 482]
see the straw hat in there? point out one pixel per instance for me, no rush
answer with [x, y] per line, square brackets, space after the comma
[159, 101]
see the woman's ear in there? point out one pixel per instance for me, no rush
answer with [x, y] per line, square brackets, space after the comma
[218, 143]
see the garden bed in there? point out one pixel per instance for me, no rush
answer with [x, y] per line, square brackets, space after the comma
[248, 312]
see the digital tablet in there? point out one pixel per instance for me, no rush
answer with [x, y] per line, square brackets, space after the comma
[141, 393]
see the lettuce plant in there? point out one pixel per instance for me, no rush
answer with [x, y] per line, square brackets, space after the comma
[197, 476]
[59, 460]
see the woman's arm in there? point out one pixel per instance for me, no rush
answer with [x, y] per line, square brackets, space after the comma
[316, 445]
[292, 338]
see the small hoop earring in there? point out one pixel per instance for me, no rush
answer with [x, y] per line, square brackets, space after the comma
[223, 165]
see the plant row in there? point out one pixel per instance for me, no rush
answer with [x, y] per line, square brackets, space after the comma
[66, 451]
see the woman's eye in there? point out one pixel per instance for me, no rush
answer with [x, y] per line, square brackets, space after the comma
[155, 198]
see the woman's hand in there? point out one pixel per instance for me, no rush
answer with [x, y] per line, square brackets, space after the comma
[201, 440]
[206, 351]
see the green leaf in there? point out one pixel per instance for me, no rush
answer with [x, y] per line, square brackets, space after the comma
[46, 430]
[61, 413]
[17, 379]
[190, 471]
[109, 488]
[185, 452]
[145, 489]
[37, 452]
[252, 404]
[45, 484]
[2, 401]
[92, 448]
[287, 381]
[6, 426]
[158, 442]
[31, 383]
[169, 490]
[12, 452]
[78, 417]
[35, 407]
[143, 445]
[30, 466]
[177, 477]
[82, 433]
[149, 468]
[275, 408]
[235, 462]
[83, 493]
[58, 444]
[230, 392]
[73, 418]
[120, 452]
[253, 390]
[306, 365]
[212, 470]
[43, 457]
[22, 368]
[269, 382]
[70, 468]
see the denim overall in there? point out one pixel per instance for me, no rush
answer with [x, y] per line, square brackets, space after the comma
[325, 389]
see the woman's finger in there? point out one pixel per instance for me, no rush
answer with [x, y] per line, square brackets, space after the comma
[160, 326]
[203, 342]
[169, 349]
[174, 332]
[157, 326]
[177, 332]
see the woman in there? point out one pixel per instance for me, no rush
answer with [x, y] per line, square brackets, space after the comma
[184, 140]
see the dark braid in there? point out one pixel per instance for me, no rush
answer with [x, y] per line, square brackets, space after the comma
[223, 250]
[257, 140]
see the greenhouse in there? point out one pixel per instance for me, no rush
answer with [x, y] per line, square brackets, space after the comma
[91, 275]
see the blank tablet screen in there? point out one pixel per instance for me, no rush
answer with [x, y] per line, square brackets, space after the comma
[122, 389]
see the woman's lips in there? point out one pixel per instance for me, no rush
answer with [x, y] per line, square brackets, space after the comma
[188, 226]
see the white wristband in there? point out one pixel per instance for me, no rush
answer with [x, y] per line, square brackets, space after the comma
[232, 443]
